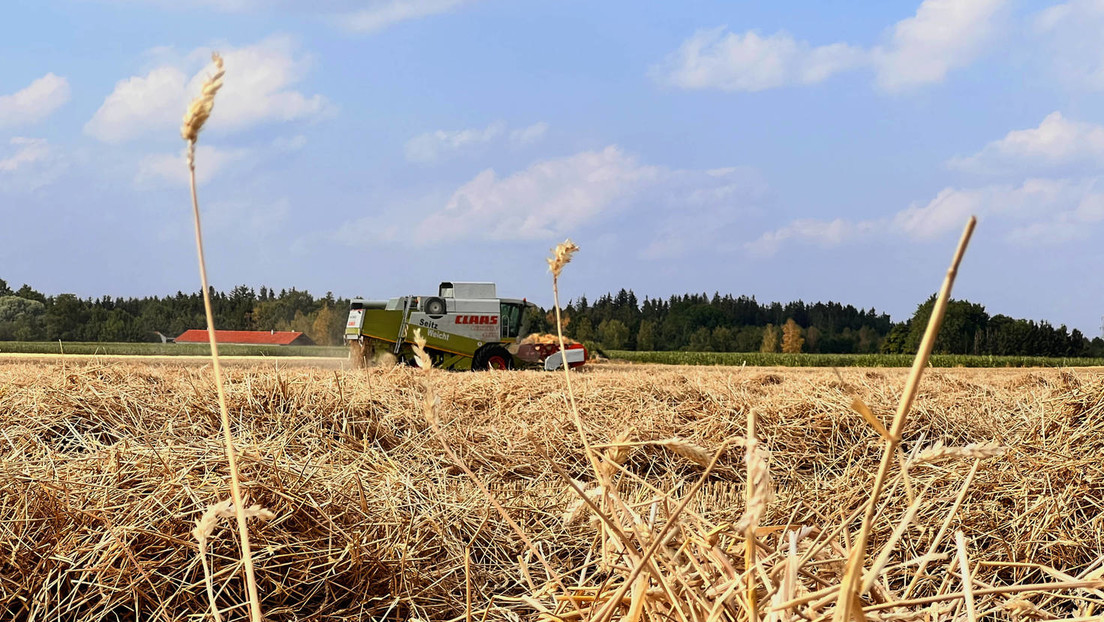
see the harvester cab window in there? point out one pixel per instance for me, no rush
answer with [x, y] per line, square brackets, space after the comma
[511, 320]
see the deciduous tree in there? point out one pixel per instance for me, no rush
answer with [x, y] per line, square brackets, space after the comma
[645, 336]
[583, 330]
[770, 339]
[700, 340]
[320, 329]
[613, 334]
[791, 337]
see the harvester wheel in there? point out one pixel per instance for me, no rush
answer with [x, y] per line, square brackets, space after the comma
[435, 307]
[492, 357]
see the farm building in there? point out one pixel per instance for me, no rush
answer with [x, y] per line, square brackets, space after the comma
[248, 337]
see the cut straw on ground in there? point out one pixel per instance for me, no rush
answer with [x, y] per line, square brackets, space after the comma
[373, 516]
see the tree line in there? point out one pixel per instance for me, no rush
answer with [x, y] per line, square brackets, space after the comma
[700, 323]
[28, 315]
[691, 322]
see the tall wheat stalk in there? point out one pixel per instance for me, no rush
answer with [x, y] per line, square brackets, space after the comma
[198, 113]
[848, 605]
[561, 256]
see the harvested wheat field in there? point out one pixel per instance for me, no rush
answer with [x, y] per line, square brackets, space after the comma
[107, 468]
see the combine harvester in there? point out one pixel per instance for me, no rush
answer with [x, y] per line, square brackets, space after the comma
[466, 326]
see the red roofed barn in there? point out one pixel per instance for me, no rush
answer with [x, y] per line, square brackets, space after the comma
[248, 337]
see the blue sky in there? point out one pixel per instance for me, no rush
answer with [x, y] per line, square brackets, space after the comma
[816, 150]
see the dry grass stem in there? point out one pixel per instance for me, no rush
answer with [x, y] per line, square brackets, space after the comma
[561, 255]
[967, 580]
[846, 608]
[880, 562]
[860, 407]
[754, 505]
[194, 119]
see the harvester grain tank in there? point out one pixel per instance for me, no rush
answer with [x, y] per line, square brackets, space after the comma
[466, 326]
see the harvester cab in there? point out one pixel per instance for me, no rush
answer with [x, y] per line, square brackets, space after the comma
[466, 326]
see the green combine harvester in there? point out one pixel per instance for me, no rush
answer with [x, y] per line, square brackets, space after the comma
[466, 326]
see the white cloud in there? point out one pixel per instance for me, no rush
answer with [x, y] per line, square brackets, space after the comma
[258, 81]
[1073, 210]
[663, 209]
[696, 211]
[750, 62]
[170, 168]
[1071, 31]
[553, 198]
[381, 15]
[140, 104]
[949, 209]
[943, 35]
[28, 164]
[825, 234]
[545, 200]
[258, 89]
[529, 135]
[27, 152]
[1037, 211]
[432, 146]
[1056, 141]
[34, 103]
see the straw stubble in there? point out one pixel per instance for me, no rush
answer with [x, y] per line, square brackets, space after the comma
[369, 503]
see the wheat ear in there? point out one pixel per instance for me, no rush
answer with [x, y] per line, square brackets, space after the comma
[194, 119]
